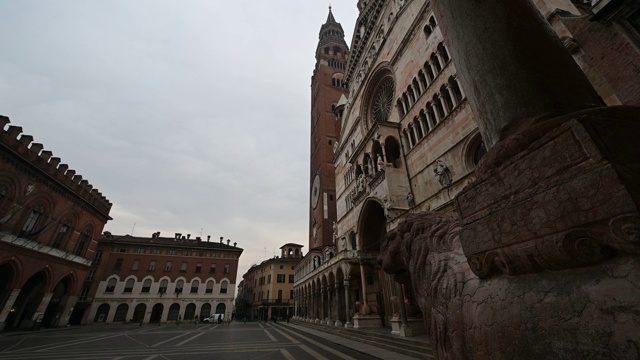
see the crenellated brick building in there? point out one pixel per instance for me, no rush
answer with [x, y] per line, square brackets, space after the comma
[50, 220]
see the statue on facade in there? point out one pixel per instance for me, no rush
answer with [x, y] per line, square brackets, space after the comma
[387, 207]
[443, 173]
[411, 202]
[380, 162]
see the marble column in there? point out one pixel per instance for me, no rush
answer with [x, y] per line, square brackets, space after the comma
[347, 301]
[435, 111]
[363, 281]
[338, 323]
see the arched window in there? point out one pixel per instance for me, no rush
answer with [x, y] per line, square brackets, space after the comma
[128, 286]
[429, 72]
[436, 63]
[179, 286]
[223, 287]
[432, 22]
[438, 108]
[427, 30]
[457, 93]
[412, 135]
[163, 286]
[36, 217]
[111, 285]
[411, 94]
[82, 243]
[444, 54]
[401, 109]
[61, 235]
[418, 127]
[423, 80]
[446, 98]
[195, 286]
[209, 287]
[146, 286]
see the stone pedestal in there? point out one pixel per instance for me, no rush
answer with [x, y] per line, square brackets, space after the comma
[348, 325]
[570, 199]
[366, 321]
[399, 330]
[338, 323]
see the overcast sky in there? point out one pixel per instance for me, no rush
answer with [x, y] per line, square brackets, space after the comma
[189, 116]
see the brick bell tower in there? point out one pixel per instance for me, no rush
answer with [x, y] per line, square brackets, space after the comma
[327, 88]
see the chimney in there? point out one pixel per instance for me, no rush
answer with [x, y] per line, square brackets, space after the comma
[198, 238]
[234, 244]
[208, 238]
[178, 235]
[188, 236]
[228, 241]
[221, 237]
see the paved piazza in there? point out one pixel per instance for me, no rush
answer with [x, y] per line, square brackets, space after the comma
[186, 341]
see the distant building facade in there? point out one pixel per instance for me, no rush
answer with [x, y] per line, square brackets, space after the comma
[267, 290]
[50, 221]
[161, 279]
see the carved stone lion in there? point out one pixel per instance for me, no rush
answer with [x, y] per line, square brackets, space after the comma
[591, 312]
[429, 248]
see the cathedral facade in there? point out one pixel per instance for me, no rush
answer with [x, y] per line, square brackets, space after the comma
[407, 142]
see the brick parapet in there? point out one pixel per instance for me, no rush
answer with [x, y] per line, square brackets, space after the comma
[33, 154]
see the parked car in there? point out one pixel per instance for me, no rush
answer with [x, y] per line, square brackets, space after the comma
[213, 318]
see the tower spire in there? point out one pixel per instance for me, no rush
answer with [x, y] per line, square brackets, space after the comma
[330, 18]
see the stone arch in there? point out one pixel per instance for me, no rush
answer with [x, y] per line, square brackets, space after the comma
[58, 300]
[121, 313]
[189, 312]
[156, 313]
[10, 273]
[28, 300]
[372, 225]
[174, 312]
[392, 150]
[221, 308]
[139, 312]
[205, 310]
[102, 313]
